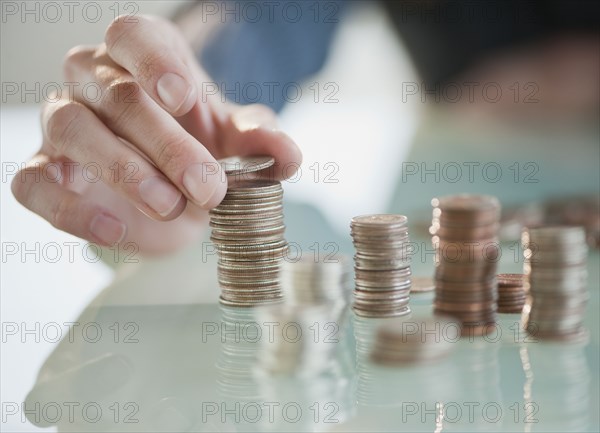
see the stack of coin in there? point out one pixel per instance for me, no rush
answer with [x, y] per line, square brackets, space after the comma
[248, 231]
[381, 265]
[464, 230]
[415, 341]
[555, 281]
[511, 295]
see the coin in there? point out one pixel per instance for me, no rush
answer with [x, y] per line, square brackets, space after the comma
[381, 264]
[511, 293]
[236, 165]
[464, 229]
[248, 232]
[371, 313]
[384, 222]
[555, 280]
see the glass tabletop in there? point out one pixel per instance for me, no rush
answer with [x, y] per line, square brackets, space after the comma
[151, 366]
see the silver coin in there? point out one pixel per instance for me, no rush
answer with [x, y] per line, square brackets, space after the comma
[403, 311]
[385, 221]
[235, 165]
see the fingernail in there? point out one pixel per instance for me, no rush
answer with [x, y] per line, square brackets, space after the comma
[108, 229]
[254, 117]
[204, 182]
[173, 90]
[160, 195]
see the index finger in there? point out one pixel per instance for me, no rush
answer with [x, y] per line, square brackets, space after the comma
[150, 49]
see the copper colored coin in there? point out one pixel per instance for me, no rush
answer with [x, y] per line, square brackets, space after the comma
[510, 310]
[465, 297]
[467, 274]
[464, 306]
[466, 233]
[461, 286]
[479, 330]
[510, 279]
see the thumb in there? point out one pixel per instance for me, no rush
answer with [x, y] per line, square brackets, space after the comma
[253, 130]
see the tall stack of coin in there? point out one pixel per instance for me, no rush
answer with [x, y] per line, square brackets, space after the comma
[555, 281]
[381, 265]
[248, 231]
[511, 295]
[464, 230]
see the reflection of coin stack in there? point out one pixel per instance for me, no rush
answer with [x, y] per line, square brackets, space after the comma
[240, 342]
[298, 344]
[381, 386]
[365, 330]
[475, 368]
[464, 228]
[382, 265]
[556, 281]
[329, 390]
[414, 341]
[511, 296]
[248, 231]
[309, 282]
[559, 385]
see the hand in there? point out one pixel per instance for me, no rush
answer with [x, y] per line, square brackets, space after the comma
[137, 121]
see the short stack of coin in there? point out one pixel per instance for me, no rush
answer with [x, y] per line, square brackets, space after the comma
[555, 281]
[248, 231]
[415, 341]
[381, 265]
[511, 295]
[464, 230]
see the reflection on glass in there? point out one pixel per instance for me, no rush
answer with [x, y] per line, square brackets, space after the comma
[557, 387]
[431, 396]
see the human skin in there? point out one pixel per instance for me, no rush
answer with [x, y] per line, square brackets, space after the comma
[152, 137]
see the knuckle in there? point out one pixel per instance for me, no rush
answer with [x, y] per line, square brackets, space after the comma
[20, 188]
[62, 124]
[121, 102]
[62, 213]
[124, 171]
[171, 152]
[75, 59]
[78, 53]
[149, 65]
[117, 29]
